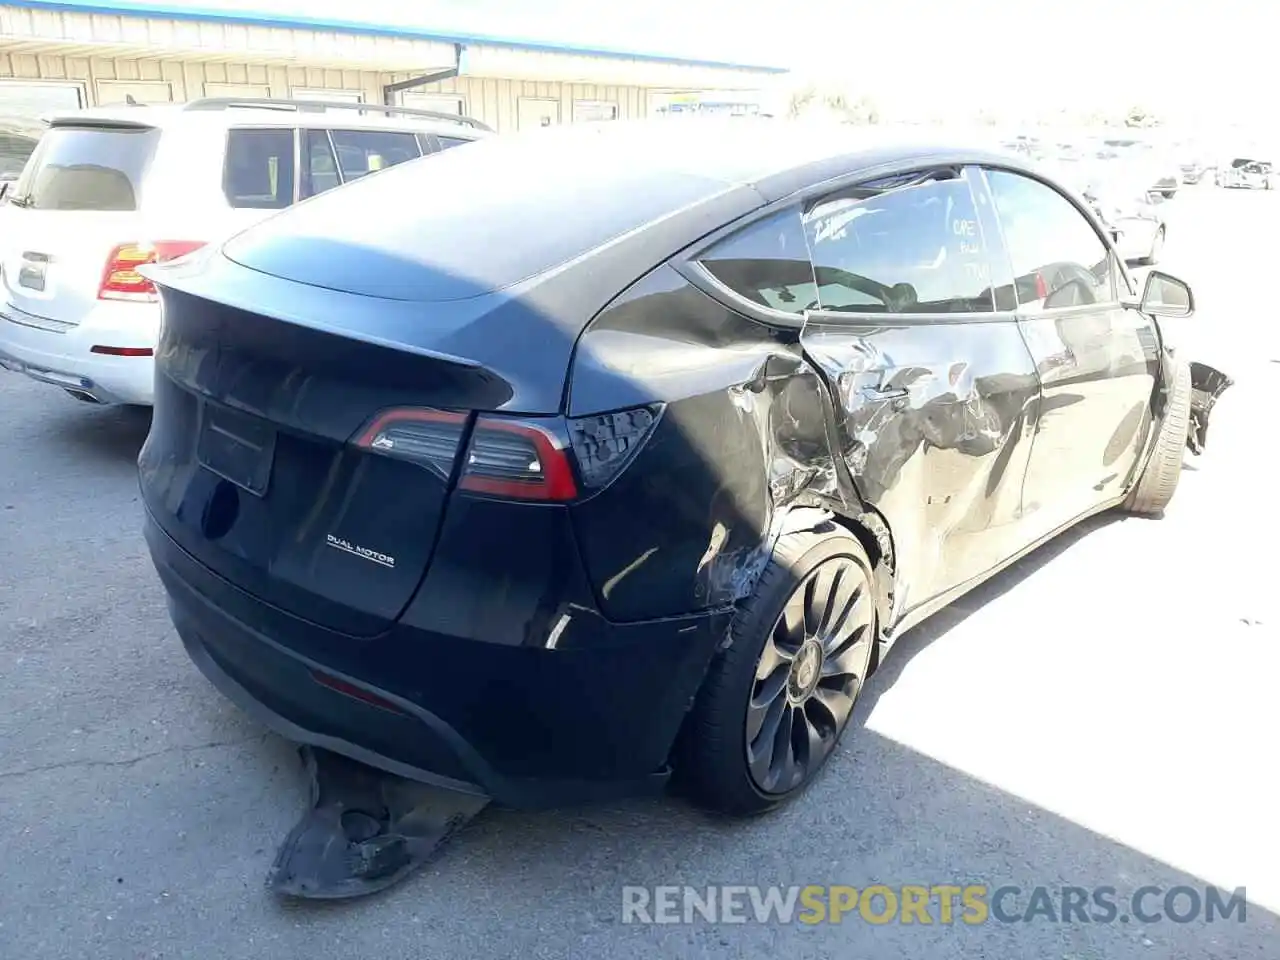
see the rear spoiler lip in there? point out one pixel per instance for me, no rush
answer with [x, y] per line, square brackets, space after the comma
[98, 123]
[169, 275]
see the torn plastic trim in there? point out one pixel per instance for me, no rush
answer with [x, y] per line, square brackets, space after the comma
[1207, 385]
[366, 830]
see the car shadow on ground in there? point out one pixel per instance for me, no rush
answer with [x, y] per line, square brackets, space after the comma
[102, 434]
[857, 825]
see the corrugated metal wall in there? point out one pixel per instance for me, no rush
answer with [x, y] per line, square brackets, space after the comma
[186, 79]
[496, 102]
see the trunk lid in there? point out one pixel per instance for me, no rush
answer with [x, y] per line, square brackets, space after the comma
[78, 198]
[251, 464]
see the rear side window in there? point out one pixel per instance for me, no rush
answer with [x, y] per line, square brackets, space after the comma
[88, 168]
[259, 171]
[447, 142]
[14, 151]
[1058, 258]
[366, 151]
[767, 262]
[912, 249]
[319, 166]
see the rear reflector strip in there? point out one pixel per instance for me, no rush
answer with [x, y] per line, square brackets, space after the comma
[355, 693]
[123, 351]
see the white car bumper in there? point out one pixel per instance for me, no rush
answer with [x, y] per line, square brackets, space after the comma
[63, 355]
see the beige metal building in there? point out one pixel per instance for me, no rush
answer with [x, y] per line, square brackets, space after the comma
[72, 53]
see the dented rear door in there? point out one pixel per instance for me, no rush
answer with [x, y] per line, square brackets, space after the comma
[933, 385]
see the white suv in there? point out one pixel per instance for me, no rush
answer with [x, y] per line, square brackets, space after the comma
[111, 189]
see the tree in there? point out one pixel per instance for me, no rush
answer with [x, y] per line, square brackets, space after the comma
[811, 99]
[801, 101]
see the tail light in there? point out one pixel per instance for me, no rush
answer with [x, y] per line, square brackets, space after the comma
[429, 438]
[603, 445]
[518, 460]
[121, 279]
[514, 459]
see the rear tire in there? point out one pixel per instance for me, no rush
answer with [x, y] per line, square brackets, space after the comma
[775, 704]
[1159, 478]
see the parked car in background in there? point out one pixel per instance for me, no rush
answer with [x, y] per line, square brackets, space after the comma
[630, 448]
[1195, 171]
[1246, 173]
[18, 138]
[1119, 196]
[111, 189]
[1163, 175]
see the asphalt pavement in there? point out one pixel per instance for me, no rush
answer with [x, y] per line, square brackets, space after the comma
[1102, 714]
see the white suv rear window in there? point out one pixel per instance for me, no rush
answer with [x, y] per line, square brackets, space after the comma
[88, 168]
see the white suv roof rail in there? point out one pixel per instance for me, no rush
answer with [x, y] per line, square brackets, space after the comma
[308, 106]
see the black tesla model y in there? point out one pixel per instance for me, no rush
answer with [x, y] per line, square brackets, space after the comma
[557, 465]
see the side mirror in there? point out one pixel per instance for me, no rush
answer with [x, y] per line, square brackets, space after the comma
[1166, 296]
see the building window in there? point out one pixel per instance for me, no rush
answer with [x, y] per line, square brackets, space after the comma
[250, 91]
[338, 96]
[140, 91]
[439, 102]
[535, 112]
[588, 111]
[22, 98]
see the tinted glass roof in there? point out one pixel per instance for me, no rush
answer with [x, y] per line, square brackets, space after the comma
[488, 215]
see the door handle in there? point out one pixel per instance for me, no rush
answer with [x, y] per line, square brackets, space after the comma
[884, 393]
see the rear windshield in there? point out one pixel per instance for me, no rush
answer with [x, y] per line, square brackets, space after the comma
[461, 223]
[88, 168]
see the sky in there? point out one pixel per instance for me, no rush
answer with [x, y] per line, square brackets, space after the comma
[1208, 60]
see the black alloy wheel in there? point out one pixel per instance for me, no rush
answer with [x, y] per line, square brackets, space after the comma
[808, 675]
[776, 701]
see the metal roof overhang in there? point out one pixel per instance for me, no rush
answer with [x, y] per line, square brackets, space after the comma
[48, 32]
[156, 29]
[513, 63]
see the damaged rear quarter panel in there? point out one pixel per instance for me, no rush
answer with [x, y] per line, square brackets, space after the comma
[690, 523]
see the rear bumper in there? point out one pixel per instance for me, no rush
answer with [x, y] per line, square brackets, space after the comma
[63, 357]
[527, 727]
